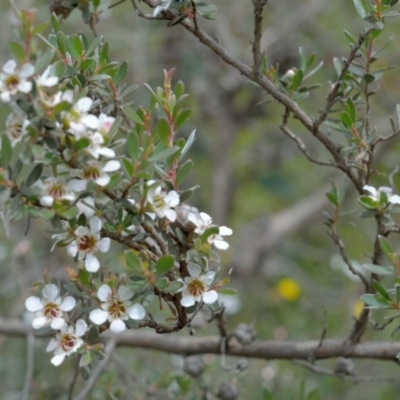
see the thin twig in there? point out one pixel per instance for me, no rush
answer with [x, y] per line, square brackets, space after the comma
[258, 19]
[74, 379]
[109, 348]
[311, 358]
[336, 86]
[30, 351]
[302, 147]
[351, 378]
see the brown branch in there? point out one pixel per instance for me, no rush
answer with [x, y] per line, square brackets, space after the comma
[346, 65]
[261, 349]
[258, 19]
[300, 144]
[351, 378]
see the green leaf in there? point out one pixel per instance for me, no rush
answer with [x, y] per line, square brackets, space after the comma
[190, 141]
[379, 269]
[162, 283]
[72, 289]
[84, 276]
[62, 43]
[55, 23]
[132, 260]
[303, 58]
[128, 167]
[182, 117]
[18, 51]
[214, 230]
[75, 48]
[385, 246]
[373, 302]
[360, 7]
[184, 171]
[378, 287]
[35, 174]
[121, 73]
[133, 146]
[132, 115]
[164, 154]
[6, 151]
[174, 286]
[227, 291]
[367, 202]
[164, 264]
[163, 130]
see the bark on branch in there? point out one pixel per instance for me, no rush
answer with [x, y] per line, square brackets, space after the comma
[261, 349]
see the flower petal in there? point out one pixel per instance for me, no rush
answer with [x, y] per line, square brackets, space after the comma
[104, 293]
[188, 301]
[47, 201]
[9, 66]
[220, 244]
[92, 264]
[103, 180]
[104, 244]
[111, 166]
[68, 304]
[194, 269]
[117, 326]
[80, 327]
[50, 291]
[210, 297]
[38, 322]
[95, 224]
[98, 316]
[225, 231]
[137, 312]
[57, 323]
[33, 304]
[125, 293]
[170, 214]
[53, 344]
[58, 359]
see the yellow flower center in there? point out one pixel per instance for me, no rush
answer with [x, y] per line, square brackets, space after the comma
[196, 287]
[116, 309]
[51, 311]
[67, 342]
[91, 173]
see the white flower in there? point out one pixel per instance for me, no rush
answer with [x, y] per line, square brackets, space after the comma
[94, 170]
[87, 242]
[68, 341]
[78, 119]
[14, 80]
[52, 189]
[96, 148]
[50, 309]
[116, 308]
[202, 222]
[197, 287]
[105, 124]
[16, 128]
[163, 7]
[375, 193]
[46, 79]
[162, 202]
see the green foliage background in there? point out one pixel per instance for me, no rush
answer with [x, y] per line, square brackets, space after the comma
[247, 171]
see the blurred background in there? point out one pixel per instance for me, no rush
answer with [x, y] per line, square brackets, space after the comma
[253, 179]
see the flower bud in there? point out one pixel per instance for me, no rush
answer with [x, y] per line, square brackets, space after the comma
[193, 366]
[227, 391]
[244, 333]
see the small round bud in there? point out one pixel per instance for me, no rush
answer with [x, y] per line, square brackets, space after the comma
[344, 366]
[227, 391]
[242, 365]
[193, 366]
[244, 333]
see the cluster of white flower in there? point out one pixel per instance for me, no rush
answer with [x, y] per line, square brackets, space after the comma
[84, 236]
